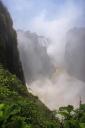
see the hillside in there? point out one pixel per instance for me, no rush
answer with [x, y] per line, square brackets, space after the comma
[20, 109]
[22, 106]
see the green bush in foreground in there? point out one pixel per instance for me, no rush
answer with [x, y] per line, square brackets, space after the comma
[19, 108]
[72, 118]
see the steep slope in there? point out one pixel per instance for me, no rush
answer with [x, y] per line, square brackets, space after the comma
[22, 104]
[9, 55]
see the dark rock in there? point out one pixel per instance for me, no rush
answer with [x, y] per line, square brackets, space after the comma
[9, 55]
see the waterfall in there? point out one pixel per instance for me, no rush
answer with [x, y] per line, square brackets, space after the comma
[51, 82]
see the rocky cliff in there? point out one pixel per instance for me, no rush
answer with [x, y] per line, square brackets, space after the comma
[75, 53]
[9, 55]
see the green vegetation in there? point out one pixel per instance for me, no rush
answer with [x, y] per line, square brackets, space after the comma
[20, 109]
[72, 118]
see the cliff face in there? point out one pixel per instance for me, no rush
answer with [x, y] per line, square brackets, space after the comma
[75, 53]
[9, 55]
[33, 52]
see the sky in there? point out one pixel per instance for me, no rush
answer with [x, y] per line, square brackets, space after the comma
[49, 18]
[24, 12]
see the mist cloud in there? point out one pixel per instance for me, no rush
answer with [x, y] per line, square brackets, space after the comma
[56, 28]
[62, 88]
[59, 91]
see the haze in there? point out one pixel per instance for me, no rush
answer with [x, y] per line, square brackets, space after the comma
[51, 19]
